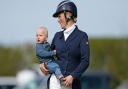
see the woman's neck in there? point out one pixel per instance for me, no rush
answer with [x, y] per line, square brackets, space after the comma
[69, 24]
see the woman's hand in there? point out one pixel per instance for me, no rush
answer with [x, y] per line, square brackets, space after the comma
[68, 81]
[44, 69]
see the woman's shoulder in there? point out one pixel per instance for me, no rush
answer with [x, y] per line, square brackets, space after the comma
[82, 33]
[58, 33]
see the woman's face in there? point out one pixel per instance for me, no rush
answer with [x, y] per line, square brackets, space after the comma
[61, 20]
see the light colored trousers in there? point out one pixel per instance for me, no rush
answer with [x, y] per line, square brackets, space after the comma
[55, 83]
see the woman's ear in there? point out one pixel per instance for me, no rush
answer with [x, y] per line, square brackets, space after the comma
[75, 20]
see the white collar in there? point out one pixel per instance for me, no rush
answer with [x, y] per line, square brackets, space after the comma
[70, 29]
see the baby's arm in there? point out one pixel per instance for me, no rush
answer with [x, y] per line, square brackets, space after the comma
[42, 53]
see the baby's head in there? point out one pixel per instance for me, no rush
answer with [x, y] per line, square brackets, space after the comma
[41, 34]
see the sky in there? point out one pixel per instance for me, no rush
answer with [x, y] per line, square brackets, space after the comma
[98, 18]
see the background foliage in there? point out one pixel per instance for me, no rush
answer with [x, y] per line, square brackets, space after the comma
[109, 55]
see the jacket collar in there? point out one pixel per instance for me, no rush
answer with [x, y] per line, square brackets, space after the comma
[70, 29]
[71, 36]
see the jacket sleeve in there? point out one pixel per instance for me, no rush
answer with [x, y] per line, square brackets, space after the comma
[42, 53]
[85, 53]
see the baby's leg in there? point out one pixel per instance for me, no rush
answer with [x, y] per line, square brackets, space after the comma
[58, 73]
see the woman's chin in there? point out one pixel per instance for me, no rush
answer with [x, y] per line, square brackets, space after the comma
[63, 27]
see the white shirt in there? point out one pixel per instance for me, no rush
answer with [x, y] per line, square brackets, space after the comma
[68, 31]
[55, 83]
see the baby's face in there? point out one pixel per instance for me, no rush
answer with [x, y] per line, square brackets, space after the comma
[40, 36]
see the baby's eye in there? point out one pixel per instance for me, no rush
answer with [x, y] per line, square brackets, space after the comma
[41, 35]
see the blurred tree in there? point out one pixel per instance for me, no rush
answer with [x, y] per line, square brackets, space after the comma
[9, 60]
[110, 55]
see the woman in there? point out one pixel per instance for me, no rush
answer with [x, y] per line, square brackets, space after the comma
[71, 46]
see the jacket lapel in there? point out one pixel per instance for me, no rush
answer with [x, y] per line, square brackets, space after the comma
[61, 38]
[72, 35]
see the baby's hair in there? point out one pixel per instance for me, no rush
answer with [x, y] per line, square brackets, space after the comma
[45, 30]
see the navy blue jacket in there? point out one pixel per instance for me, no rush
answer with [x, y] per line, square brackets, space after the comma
[73, 54]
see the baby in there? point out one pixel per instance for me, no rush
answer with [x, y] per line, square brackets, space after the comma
[44, 53]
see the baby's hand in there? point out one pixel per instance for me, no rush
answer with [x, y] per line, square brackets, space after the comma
[54, 51]
[55, 57]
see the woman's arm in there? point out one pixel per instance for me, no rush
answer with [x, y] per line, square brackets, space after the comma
[43, 69]
[85, 53]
